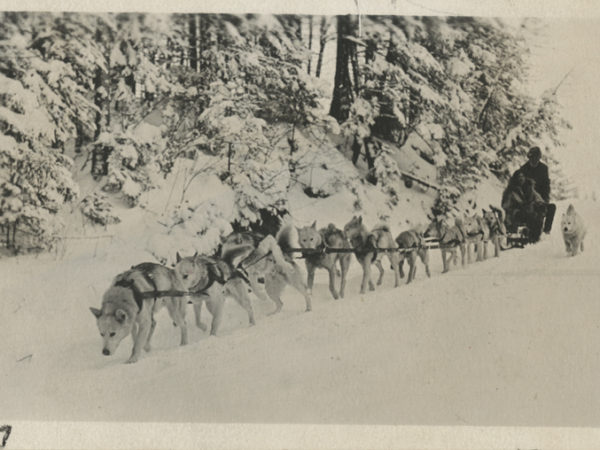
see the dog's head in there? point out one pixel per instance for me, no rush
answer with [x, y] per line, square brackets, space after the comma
[354, 227]
[191, 270]
[569, 220]
[309, 237]
[113, 325]
[436, 226]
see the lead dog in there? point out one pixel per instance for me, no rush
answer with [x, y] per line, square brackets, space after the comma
[573, 231]
[128, 307]
[311, 238]
[263, 257]
[368, 251]
[211, 281]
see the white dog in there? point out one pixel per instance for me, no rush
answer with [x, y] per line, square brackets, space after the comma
[573, 231]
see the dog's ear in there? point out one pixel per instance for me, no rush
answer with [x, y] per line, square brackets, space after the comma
[195, 255]
[120, 315]
[570, 209]
[96, 312]
[314, 225]
[178, 257]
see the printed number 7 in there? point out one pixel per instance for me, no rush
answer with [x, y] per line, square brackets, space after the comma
[6, 429]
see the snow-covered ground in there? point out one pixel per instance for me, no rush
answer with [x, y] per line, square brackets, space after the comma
[508, 341]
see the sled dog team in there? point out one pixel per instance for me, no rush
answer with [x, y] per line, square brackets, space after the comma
[248, 263]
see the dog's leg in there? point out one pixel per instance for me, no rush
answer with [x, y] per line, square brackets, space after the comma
[462, 254]
[575, 247]
[141, 338]
[198, 314]
[424, 255]
[331, 269]
[402, 257]
[239, 291]
[470, 251]
[310, 279]
[366, 278]
[147, 346]
[345, 264]
[134, 331]
[176, 309]
[380, 268]
[444, 260]
[296, 280]
[393, 257]
[274, 285]
[412, 263]
[215, 307]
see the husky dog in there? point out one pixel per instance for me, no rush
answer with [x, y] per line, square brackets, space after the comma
[413, 240]
[210, 281]
[495, 223]
[263, 257]
[128, 306]
[366, 245]
[573, 231]
[476, 234]
[311, 238]
[450, 237]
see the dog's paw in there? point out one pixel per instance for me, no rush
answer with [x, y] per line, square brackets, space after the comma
[201, 326]
[131, 360]
[147, 347]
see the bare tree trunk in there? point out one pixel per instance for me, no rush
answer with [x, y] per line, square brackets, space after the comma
[193, 40]
[355, 71]
[98, 100]
[200, 40]
[322, 43]
[342, 89]
[310, 39]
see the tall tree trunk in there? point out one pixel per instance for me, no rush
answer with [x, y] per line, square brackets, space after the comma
[355, 71]
[346, 51]
[193, 42]
[98, 100]
[310, 39]
[200, 40]
[322, 43]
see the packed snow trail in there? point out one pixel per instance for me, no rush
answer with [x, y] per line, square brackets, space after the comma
[508, 341]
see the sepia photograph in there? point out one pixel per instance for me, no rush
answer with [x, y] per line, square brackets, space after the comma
[253, 226]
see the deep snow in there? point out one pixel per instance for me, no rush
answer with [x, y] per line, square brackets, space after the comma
[508, 341]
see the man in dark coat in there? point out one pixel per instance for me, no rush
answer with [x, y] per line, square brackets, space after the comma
[538, 172]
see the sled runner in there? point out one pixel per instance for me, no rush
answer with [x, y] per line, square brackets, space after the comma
[517, 239]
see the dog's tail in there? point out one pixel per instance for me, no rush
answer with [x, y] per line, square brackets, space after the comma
[382, 227]
[287, 237]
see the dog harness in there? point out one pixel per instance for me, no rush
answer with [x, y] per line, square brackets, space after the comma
[363, 246]
[453, 241]
[139, 296]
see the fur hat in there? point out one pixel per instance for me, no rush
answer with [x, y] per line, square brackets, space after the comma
[534, 152]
